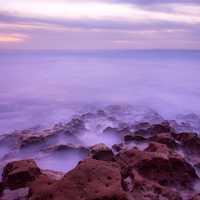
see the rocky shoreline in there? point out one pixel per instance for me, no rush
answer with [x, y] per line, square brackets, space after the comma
[151, 161]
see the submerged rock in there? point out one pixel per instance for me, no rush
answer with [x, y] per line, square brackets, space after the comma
[163, 169]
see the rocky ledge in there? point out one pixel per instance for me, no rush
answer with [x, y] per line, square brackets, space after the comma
[153, 162]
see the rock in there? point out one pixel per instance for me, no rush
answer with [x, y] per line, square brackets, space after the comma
[119, 131]
[91, 179]
[101, 152]
[53, 175]
[1, 187]
[139, 188]
[161, 167]
[31, 140]
[75, 126]
[18, 174]
[135, 138]
[19, 194]
[66, 147]
[142, 125]
[165, 138]
[117, 147]
[190, 142]
[143, 132]
[160, 128]
[88, 116]
[101, 113]
[159, 148]
[196, 197]
[111, 130]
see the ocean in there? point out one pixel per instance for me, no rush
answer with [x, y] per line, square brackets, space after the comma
[41, 88]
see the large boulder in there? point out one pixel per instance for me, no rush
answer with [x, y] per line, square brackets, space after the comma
[91, 180]
[196, 197]
[158, 164]
[18, 174]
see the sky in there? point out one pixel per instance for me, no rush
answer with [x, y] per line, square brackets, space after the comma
[99, 24]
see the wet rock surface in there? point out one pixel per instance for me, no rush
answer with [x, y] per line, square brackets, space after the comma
[114, 159]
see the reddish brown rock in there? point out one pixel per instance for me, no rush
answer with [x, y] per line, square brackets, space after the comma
[165, 138]
[134, 138]
[90, 180]
[140, 188]
[159, 148]
[190, 142]
[196, 197]
[101, 152]
[162, 167]
[19, 194]
[18, 174]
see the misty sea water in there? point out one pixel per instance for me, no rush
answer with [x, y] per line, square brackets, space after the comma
[39, 88]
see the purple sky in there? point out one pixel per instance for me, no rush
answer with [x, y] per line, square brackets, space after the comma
[99, 24]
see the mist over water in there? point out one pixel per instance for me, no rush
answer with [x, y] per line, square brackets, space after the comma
[43, 87]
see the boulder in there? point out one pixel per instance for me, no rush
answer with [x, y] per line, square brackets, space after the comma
[75, 126]
[140, 188]
[160, 128]
[101, 152]
[134, 138]
[165, 138]
[18, 174]
[158, 164]
[91, 179]
[196, 197]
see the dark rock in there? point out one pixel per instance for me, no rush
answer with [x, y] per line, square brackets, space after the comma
[135, 138]
[139, 188]
[87, 116]
[160, 128]
[109, 130]
[101, 152]
[142, 125]
[196, 197]
[18, 174]
[189, 141]
[1, 187]
[143, 132]
[66, 147]
[117, 147]
[165, 138]
[101, 113]
[75, 126]
[31, 140]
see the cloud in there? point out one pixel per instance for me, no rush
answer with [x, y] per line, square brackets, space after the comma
[111, 22]
[13, 38]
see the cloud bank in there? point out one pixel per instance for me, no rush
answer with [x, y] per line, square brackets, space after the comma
[93, 24]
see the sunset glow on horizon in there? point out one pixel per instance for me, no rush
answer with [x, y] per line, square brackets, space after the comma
[65, 22]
